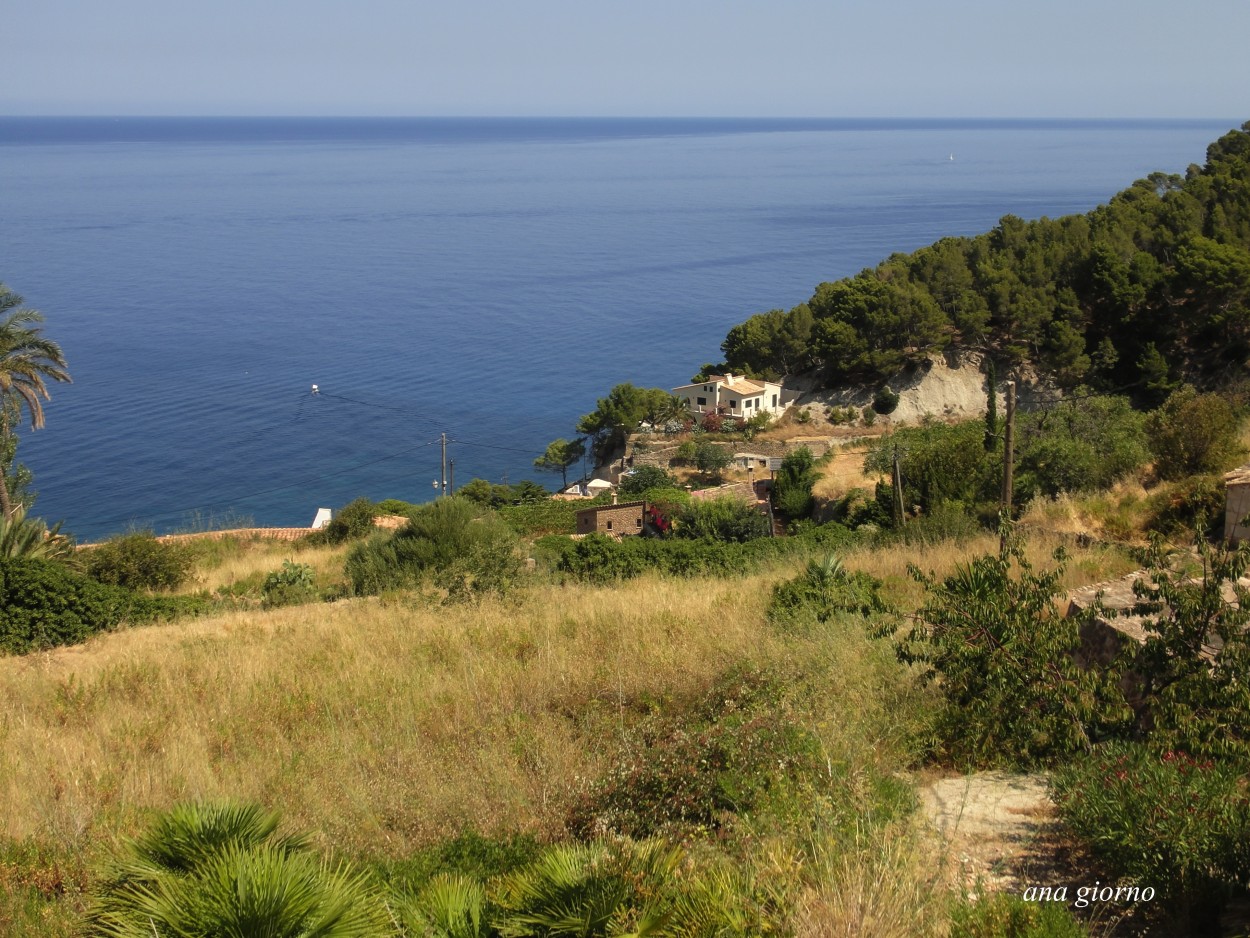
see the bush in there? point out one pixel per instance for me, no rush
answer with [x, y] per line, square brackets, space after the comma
[711, 459]
[139, 561]
[635, 483]
[43, 605]
[1162, 819]
[1191, 668]
[694, 770]
[1006, 916]
[450, 542]
[1079, 446]
[723, 519]
[1192, 433]
[597, 558]
[885, 401]
[938, 463]
[219, 870]
[792, 488]
[291, 585]
[824, 590]
[991, 638]
[1192, 504]
[590, 891]
[351, 522]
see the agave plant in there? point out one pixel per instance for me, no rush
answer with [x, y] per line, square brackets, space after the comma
[213, 870]
[31, 539]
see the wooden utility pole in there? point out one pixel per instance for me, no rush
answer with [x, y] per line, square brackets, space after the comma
[442, 472]
[1009, 449]
[896, 482]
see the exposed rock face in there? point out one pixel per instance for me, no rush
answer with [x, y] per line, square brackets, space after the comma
[949, 386]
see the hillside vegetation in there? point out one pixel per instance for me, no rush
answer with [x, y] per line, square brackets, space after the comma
[1139, 293]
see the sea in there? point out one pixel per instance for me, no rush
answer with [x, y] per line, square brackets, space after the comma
[482, 280]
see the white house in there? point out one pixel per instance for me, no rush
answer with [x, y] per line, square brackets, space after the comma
[732, 395]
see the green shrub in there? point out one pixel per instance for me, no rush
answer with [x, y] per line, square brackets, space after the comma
[1192, 504]
[394, 506]
[536, 518]
[139, 561]
[697, 768]
[220, 870]
[293, 584]
[590, 891]
[885, 401]
[1192, 433]
[990, 636]
[450, 542]
[1079, 446]
[350, 523]
[644, 478]
[1003, 915]
[469, 854]
[1190, 670]
[792, 488]
[43, 605]
[824, 590]
[938, 463]
[1162, 819]
[597, 558]
[723, 519]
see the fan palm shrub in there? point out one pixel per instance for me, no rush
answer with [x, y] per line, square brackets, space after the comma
[203, 871]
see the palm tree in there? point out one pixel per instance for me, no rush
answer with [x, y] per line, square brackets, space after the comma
[27, 361]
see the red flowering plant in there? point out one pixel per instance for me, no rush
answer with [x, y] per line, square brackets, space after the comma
[1163, 819]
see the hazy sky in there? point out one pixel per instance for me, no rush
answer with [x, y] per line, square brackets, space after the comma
[898, 58]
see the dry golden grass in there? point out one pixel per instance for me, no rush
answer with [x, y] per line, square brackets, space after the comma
[222, 565]
[380, 726]
[1117, 514]
[843, 472]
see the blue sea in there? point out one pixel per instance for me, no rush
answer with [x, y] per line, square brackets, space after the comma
[483, 278]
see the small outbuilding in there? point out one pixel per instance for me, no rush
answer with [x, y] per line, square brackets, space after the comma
[1237, 505]
[615, 520]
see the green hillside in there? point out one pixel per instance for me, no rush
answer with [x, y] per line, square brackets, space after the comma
[1151, 288]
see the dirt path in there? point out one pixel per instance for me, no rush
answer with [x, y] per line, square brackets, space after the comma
[1000, 831]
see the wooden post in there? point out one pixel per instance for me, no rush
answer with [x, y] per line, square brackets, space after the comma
[896, 483]
[1009, 451]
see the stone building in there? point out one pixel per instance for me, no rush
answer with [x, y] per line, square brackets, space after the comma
[616, 520]
[1237, 505]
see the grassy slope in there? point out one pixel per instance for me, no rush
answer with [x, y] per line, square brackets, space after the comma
[386, 726]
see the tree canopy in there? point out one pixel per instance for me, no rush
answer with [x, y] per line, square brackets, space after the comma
[28, 361]
[1151, 288]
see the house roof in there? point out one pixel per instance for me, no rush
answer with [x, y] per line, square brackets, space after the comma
[734, 383]
[598, 508]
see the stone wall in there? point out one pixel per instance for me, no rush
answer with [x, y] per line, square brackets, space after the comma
[622, 519]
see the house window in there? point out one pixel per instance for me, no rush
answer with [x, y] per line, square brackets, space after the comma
[733, 405]
[638, 522]
[774, 400]
[609, 525]
[702, 401]
[708, 388]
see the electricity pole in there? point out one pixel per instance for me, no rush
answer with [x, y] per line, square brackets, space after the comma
[1009, 453]
[896, 481]
[442, 475]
